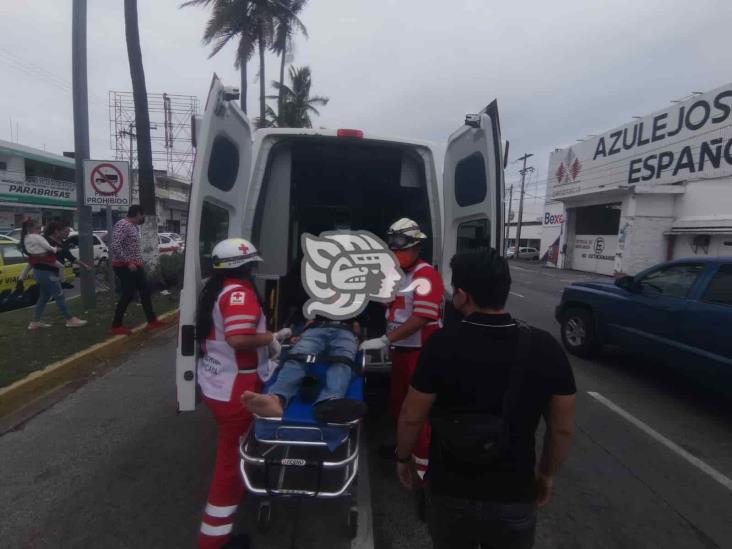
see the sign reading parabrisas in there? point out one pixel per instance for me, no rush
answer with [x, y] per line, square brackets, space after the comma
[689, 140]
[107, 183]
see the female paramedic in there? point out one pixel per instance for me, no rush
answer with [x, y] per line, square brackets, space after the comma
[235, 357]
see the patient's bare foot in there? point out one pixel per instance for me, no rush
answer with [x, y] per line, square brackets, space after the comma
[262, 405]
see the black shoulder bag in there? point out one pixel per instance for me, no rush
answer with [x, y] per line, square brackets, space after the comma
[482, 438]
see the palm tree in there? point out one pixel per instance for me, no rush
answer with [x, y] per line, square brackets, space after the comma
[145, 177]
[230, 19]
[297, 104]
[287, 24]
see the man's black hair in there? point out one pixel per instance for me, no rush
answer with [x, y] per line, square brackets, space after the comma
[483, 274]
[135, 210]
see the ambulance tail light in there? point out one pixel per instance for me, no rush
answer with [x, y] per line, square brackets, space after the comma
[357, 134]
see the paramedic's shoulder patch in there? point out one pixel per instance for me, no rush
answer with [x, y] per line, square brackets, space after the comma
[237, 298]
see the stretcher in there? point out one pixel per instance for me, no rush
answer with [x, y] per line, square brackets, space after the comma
[297, 456]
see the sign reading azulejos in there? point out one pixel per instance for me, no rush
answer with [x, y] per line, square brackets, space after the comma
[39, 191]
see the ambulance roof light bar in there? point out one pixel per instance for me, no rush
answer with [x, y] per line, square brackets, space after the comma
[344, 132]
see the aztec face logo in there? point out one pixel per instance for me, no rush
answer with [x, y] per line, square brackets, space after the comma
[342, 270]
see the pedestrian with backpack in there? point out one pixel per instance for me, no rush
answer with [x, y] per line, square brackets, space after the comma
[484, 382]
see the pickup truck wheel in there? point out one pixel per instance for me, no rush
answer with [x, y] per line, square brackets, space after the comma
[578, 333]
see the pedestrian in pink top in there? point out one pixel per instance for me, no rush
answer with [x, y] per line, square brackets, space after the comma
[130, 269]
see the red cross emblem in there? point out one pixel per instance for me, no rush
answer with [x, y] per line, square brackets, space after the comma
[244, 248]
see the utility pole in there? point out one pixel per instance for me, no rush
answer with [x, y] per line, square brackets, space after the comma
[508, 218]
[523, 173]
[81, 148]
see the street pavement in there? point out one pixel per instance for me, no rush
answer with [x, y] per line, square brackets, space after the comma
[112, 465]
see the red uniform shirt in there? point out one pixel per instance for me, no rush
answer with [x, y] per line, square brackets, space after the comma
[240, 315]
[425, 301]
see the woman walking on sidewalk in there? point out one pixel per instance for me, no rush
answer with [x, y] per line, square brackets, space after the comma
[47, 275]
[130, 269]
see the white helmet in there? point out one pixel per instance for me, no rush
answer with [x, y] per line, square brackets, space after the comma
[234, 252]
[404, 233]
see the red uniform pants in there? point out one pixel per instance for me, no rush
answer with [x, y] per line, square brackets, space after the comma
[227, 486]
[403, 364]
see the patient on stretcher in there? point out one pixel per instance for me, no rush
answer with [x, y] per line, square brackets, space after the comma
[334, 342]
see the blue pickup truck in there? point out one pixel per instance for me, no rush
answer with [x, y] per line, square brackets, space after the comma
[679, 312]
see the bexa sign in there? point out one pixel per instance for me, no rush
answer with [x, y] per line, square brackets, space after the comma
[689, 140]
[553, 219]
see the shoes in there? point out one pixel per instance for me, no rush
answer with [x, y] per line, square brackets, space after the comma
[340, 410]
[120, 331]
[154, 325]
[38, 325]
[74, 322]
[387, 451]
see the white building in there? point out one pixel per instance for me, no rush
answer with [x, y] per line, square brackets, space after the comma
[655, 189]
[34, 183]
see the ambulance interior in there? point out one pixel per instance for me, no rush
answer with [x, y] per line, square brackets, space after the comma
[320, 185]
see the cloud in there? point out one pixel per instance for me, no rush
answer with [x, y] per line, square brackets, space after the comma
[560, 70]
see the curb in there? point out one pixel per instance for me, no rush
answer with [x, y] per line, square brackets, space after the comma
[42, 382]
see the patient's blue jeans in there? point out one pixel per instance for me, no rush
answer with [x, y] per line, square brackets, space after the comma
[321, 340]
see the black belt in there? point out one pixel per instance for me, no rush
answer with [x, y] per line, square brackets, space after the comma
[330, 324]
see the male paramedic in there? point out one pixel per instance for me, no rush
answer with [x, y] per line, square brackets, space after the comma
[411, 319]
[236, 348]
[484, 483]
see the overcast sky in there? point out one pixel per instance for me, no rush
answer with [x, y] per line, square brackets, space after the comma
[561, 70]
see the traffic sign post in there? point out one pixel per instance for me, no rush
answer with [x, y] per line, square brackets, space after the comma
[107, 183]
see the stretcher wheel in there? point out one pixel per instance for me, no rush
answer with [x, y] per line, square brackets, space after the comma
[264, 516]
[352, 522]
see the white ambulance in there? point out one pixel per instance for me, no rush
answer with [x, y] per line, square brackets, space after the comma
[272, 185]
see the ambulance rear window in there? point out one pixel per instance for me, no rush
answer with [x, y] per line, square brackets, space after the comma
[471, 185]
[223, 164]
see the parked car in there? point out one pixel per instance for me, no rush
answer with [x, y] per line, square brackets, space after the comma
[14, 234]
[680, 312]
[524, 253]
[12, 263]
[6, 238]
[168, 245]
[101, 252]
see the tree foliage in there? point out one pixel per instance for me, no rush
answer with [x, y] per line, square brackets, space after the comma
[297, 103]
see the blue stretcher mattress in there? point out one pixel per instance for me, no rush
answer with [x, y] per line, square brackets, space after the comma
[300, 414]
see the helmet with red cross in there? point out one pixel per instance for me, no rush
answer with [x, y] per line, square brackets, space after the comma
[234, 252]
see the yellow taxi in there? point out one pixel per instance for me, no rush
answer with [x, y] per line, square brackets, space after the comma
[12, 263]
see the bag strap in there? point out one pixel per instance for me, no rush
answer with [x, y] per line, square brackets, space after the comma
[516, 376]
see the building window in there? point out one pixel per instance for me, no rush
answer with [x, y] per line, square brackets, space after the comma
[473, 235]
[471, 185]
[223, 166]
[214, 229]
[3, 166]
[720, 288]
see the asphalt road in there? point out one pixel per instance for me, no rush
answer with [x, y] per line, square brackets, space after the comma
[112, 465]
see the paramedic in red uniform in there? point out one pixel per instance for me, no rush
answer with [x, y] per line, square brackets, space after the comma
[411, 318]
[236, 348]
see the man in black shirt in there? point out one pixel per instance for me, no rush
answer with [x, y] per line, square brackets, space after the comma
[492, 378]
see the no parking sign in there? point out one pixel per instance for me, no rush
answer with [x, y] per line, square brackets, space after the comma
[107, 183]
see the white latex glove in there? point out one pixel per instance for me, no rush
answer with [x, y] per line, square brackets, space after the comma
[375, 344]
[283, 334]
[274, 349]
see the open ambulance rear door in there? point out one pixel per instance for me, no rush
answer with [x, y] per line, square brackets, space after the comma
[221, 173]
[473, 188]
